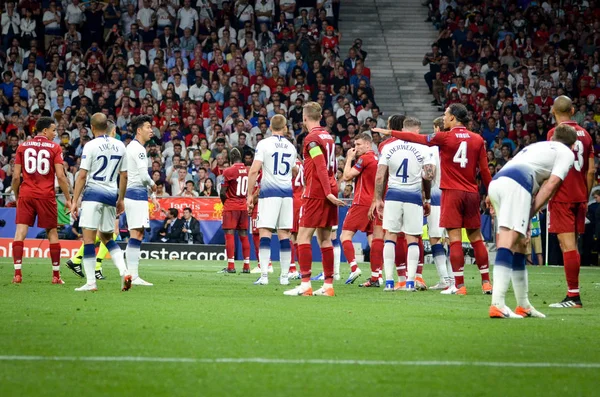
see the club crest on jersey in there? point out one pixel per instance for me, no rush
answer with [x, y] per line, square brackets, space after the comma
[312, 144]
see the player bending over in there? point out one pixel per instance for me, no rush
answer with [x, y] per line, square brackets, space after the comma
[319, 203]
[569, 206]
[39, 160]
[136, 198]
[75, 262]
[410, 168]
[434, 230]
[235, 212]
[276, 157]
[462, 152]
[510, 194]
[364, 171]
[102, 161]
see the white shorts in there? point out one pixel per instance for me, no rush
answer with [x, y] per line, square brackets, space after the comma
[403, 217]
[512, 204]
[433, 222]
[275, 213]
[137, 212]
[98, 216]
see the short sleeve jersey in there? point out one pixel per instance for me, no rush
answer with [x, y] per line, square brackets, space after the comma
[574, 187]
[298, 185]
[319, 142]
[278, 156]
[365, 181]
[461, 151]
[37, 158]
[103, 158]
[235, 181]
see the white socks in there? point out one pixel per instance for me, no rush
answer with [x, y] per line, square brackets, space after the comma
[412, 261]
[133, 256]
[389, 256]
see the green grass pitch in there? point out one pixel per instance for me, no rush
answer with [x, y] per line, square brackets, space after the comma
[194, 313]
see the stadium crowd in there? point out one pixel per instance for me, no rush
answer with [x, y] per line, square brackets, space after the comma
[210, 72]
[506, 61]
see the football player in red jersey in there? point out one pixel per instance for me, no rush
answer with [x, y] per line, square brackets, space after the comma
[364, 171]
[319, 202]
[298, 190]
[235, 213]
[462, 152]
[569, 205]
[39, 160]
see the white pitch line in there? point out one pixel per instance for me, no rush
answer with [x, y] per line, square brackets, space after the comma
[259, 360]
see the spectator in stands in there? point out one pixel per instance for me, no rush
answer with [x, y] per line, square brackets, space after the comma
[171, 230]
[190, 232]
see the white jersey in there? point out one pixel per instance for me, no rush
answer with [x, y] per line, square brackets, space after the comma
[278, 156]
[103, 158]
[535, 163]
[405, 161]
[138, 179]
[436, 192]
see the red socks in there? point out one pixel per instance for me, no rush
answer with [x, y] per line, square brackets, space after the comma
[572, 262]
[348, 248]
[327, 254]
[481, 258]
[400, 257]
[256, 241]
[457, 260]
[376, 256]
[294, 258]
[246, 251]
[17, 248]
[55, 257]
[305, 261]
[230, 248]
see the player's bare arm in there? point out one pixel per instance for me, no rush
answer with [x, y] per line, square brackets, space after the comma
[319, 159]
[382, 131]
[548, 189]
[379, 188]
[223, 194]
[484, 171]
[428, 172]
[79, 184]
[350, 172]
[426, 186]
[16, 181]
[63, 182]
[122, 189]
[591, 174]
[252, 176]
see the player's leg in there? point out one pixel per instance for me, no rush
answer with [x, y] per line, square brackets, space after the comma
[419, 281]
[520, 281]
[137, 219]
[116, 253]
[17, 247]
[503, 268]
[229, 223]
[389, 255]
[264, 255]
[305, 262]
[439, 259]
[457, 260]
[293, 273]
[89, 252]
[400, 260]
[377, 245]
[348, 247]
[324, 235]
[54, 245]
[481, 258]
[48, 219]
[572, 263]
[285, 223]
[75, 263]
[268, 212]
[337, 253]
[243, 235]
[412, 260]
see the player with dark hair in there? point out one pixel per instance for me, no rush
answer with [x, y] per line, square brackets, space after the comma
[235, 213]
[462, 154]
[37, 162]
[568, 207]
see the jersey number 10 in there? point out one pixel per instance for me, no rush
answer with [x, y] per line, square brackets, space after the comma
[242, 186]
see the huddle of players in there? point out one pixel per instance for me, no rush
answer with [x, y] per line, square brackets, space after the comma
[112, 179]
[403, 179]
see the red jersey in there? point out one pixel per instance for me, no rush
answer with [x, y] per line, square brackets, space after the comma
[235, 181]
[37, 158]
[298, 186]
[574, 188]
[461, 151]
[365, 181]
[320, 164]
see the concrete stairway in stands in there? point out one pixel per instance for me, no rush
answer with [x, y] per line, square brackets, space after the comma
[396, 37]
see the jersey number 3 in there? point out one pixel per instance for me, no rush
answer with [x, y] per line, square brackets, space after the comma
[460, 156]
[578, 149]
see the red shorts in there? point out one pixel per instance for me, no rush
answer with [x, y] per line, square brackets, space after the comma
[296, 222]
[358, 219]
[236, 220]
[318, 213]
[44, 209]
[460, 209]
[567, 217]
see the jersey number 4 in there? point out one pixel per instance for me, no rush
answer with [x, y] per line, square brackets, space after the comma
[36, 161]
[403, 171]
[460, 156]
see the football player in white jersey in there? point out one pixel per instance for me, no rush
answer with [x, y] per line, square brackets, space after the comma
[537, 171]
[102, 161]
[411, 168]
[434, 230]
[136, 197]
[276, 156]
